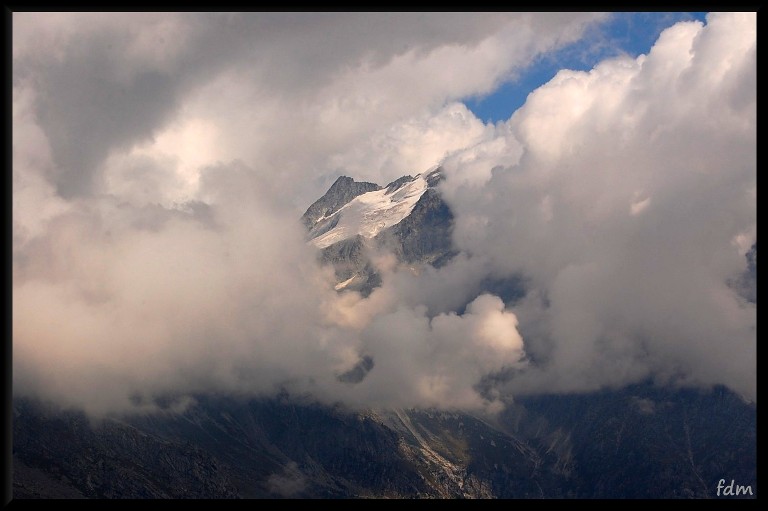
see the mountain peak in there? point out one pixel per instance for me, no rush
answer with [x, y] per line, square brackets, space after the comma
[434, 175]
[367, 213]
[343, 190]
[397, 183]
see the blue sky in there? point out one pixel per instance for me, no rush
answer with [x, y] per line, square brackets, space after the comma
[629, 33]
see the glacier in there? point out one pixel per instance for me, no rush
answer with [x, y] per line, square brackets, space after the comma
[370, 213]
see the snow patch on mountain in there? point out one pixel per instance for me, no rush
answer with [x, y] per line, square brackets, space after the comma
[370, 213]
[342, 285]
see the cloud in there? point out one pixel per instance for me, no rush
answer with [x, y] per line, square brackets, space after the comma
[161, 163]
[629, 210]
[116, 300]
[416, 143]
[437, 361]
[289, 483]
[105, 82]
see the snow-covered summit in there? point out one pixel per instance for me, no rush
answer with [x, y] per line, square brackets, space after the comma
[369, 213]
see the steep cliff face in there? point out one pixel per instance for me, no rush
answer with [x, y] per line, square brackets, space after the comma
[424, 236]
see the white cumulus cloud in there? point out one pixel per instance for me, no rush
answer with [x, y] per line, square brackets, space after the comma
[161, 162]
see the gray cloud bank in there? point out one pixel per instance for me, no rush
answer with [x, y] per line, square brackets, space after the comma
[161, 162]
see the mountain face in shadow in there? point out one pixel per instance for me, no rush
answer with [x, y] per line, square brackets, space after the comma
[638, 442]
